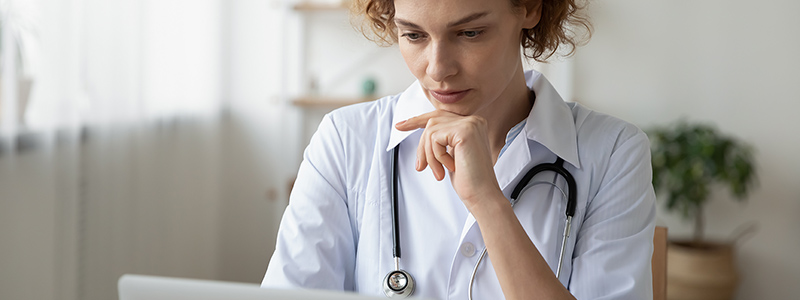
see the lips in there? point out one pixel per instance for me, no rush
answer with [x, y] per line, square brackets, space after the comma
[448, 96]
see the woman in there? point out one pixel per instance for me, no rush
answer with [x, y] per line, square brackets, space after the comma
[479, 123]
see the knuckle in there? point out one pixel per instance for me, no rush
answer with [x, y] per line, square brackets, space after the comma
[436, 136]
[474, 123]
[479, 121]
[431, 122]
[440, 154]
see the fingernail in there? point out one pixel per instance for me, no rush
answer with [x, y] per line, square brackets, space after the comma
[401, 122]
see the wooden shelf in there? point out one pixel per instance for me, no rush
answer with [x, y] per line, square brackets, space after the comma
[327, 102]
[311, 6]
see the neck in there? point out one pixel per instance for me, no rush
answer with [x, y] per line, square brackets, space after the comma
[515, 107]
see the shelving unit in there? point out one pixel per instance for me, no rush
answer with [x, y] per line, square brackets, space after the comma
[323, 102]
[312, 6]
[307, 92]
[326, 102]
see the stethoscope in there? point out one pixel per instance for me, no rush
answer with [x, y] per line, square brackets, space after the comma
[400, 284]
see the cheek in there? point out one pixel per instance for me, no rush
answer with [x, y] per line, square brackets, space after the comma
[413, 58]
[489, 62]
[505, 55]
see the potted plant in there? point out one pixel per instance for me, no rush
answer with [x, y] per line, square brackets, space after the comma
[688, 160]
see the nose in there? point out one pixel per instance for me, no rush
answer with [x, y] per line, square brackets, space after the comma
[441, 61]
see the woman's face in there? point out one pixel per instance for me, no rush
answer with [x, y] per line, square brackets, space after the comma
[465, 53]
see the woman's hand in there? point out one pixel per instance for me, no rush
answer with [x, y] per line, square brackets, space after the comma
[460, 144]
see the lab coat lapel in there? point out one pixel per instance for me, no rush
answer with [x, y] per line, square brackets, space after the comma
[513, 162]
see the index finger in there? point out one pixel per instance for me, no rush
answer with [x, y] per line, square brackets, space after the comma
[415, 122]
[421, 121]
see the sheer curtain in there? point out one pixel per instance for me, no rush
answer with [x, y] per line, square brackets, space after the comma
[127, 61]
[115, 166]
[158, 139]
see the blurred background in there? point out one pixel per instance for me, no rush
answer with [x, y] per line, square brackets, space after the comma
[161, 137]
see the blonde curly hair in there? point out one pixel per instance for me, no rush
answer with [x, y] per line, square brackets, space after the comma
[562, 23]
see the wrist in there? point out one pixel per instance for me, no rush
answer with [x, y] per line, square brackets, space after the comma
[488, 204]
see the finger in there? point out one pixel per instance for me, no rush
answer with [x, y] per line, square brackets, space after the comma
[421, 160]
[416, 122]
[436, 166]
[440, 151]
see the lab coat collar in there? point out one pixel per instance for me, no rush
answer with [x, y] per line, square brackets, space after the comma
[549, 123]
[412, 103]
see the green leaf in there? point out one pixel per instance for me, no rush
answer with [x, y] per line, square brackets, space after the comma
[688, 158]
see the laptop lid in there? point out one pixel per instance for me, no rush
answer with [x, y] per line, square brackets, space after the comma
[141, 287]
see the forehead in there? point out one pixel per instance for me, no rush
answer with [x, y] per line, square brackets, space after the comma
[442, 12]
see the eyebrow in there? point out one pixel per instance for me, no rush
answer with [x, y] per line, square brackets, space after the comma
[468, 19]
[461, 21]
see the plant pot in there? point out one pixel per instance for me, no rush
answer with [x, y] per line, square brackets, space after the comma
[702, 271]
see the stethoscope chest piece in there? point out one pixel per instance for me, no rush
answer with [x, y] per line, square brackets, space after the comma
[398, 284]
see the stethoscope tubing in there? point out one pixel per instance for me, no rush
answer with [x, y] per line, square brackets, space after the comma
[567, 228]
[556, 167]
[389, 288]
[395, 217]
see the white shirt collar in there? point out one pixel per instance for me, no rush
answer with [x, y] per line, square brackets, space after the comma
[549, 123]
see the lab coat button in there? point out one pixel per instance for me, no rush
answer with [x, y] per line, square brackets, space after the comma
[467, 249]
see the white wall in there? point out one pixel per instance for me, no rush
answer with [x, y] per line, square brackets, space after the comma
[729, 63]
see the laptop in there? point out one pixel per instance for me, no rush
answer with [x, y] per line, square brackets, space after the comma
[142, 287]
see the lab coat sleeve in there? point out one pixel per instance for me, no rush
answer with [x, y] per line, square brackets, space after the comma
[612, 257]
[315, 247]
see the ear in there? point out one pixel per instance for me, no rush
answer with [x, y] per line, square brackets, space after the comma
[533, 13]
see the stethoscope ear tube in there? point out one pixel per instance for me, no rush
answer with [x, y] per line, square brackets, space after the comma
[558, 167]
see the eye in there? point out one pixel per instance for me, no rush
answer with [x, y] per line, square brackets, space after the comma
[412, 36]
[471, 33]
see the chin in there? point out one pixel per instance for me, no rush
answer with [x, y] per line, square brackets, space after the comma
[458, 109]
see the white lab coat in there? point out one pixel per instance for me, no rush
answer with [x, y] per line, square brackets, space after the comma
[336, 232]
